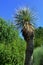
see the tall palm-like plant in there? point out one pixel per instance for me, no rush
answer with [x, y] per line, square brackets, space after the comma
[24, 19]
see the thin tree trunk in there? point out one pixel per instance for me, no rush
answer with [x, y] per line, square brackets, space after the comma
[28, 36]
[29, 51]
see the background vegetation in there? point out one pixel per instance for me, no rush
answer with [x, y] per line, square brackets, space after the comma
[38, 37]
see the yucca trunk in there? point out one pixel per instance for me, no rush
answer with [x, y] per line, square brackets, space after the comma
[29, 51]
[28, 36]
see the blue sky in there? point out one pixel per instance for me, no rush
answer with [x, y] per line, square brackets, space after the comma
[8, 7]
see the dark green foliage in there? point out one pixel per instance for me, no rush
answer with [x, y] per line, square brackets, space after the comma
[12, 53]
[7, 33]
[38, 37]
[38, 56]
[38, 42]
[12, 47]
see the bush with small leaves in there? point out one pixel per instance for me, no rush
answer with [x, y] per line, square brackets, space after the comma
[13, 53]
[12, 47]
[7, 31]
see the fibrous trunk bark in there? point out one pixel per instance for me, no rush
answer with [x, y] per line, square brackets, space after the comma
[29, 51]
[29, 47]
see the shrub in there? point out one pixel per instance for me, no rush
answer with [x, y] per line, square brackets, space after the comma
[13, 53]
[38, 56]
[12, 47]
[7, 31]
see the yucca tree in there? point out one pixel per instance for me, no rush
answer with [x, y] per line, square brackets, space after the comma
[24, 20]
